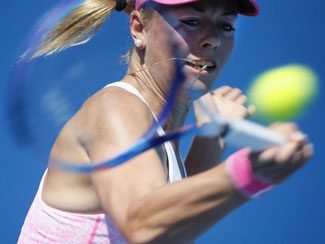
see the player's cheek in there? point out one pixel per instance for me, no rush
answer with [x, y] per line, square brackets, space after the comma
[228, 44]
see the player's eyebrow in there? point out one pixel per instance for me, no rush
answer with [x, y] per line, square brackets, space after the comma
[200, 8]
[229, 13]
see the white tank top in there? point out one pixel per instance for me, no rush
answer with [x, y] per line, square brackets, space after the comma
[45, 224]
[175, 169]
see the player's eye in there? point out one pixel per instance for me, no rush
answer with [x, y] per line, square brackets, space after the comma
[226, 27]
[191, 22]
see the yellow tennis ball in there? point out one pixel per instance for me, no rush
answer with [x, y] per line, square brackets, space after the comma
[283, 93]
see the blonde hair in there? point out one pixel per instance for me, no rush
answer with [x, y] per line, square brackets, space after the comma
[80, 26]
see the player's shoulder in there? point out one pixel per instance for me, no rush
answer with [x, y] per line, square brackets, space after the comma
[116, 99]
[113, 105]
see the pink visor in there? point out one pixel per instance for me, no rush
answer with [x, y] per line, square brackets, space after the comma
[245, 7]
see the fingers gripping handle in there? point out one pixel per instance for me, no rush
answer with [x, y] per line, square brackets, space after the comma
[240, 132]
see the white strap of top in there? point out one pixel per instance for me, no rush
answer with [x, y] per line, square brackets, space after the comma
[174, 171]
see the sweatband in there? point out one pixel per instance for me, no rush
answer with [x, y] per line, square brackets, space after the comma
[239, 168]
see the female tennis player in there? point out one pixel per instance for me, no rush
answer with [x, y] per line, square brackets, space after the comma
[155, 198]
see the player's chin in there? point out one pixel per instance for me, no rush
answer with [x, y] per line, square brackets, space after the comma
[198, 89]
[197, 84]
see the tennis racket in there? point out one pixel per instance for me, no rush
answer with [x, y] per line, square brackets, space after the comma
[38, 107]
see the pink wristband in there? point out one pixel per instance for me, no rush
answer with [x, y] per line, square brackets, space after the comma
[241, 172]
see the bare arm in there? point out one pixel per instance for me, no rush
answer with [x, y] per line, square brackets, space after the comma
[136, 194]
[181, 212]
[206, 152]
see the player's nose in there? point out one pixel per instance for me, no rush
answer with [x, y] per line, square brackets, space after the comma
[211, 41]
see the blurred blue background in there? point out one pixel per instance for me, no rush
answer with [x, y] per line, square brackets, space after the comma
[285, 32]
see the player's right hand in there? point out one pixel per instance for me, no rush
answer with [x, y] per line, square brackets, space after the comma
[278, 163]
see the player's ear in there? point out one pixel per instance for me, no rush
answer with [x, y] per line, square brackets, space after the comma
[137, 29]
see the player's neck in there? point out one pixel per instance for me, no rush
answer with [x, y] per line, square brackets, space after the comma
[156, 90]
[157, 98]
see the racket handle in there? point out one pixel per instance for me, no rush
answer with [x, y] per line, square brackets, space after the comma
[244, 133]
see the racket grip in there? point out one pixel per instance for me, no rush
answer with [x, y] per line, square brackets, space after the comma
[244, 133]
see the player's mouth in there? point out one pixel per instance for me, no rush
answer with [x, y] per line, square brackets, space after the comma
[201, 66]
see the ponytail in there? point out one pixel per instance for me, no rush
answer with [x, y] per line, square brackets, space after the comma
[80, 26]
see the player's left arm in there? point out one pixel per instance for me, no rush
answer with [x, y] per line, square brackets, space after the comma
[206, 152]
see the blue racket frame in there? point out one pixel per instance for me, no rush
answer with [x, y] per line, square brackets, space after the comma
[16, 101]
[23, 133]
